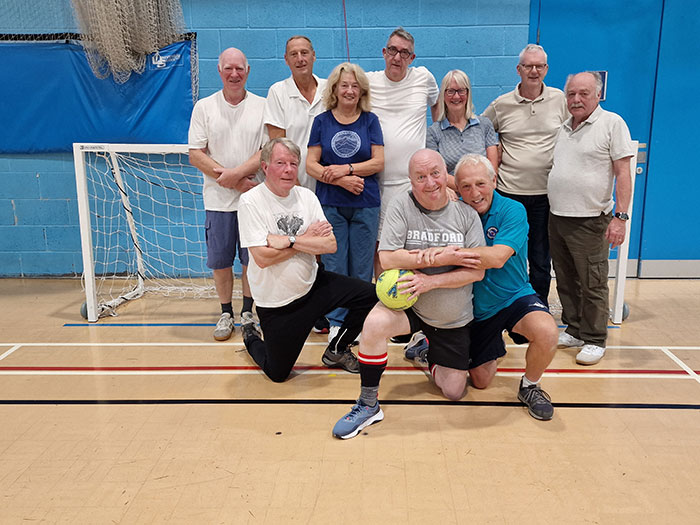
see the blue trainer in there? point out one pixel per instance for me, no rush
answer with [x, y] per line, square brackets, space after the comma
[417, 348]
[359, 417]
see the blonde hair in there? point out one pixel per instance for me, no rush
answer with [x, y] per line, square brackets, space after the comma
[331, 98]
[462, 81]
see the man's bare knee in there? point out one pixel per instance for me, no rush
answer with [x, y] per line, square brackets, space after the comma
[482, 375]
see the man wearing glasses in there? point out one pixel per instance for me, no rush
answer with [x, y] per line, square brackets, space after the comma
[527, 120]
[400, 98]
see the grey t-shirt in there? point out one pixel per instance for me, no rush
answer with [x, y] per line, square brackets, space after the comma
[410, 226]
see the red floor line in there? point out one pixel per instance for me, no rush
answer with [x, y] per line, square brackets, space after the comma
[300, 367]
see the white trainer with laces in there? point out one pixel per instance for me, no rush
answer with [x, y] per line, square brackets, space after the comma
[224, 327]
[590, 355]
[566, 339]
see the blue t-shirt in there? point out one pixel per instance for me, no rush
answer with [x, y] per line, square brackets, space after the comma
[505, 223]
[347, 144]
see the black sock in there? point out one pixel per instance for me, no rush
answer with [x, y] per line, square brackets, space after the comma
[247, 304]
[227, 308]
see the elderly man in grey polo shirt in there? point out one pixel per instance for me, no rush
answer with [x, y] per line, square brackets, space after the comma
[591, 156]
[527, 120]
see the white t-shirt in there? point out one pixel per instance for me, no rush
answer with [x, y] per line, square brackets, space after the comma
[262, 212]
[582, 179]
[401, 108]
[286, 108]
[231, 134]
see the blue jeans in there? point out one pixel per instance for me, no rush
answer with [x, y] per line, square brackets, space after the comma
[538, 257]
[355, 231]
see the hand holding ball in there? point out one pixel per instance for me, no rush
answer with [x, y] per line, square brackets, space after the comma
[389, 293]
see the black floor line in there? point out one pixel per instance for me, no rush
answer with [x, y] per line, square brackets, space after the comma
[386, 402]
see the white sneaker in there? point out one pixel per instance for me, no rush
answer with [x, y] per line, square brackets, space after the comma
[332, 332]
[224, 328]
[566, 339]
[590, 355]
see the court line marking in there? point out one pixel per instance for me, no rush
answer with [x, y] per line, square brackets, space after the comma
[385, 402]
[680, 363]
[308, 343]
[10, 351]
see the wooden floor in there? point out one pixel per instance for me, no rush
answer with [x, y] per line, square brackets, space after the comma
[143, 418]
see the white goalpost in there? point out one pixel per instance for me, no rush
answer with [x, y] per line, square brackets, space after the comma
[141, 224]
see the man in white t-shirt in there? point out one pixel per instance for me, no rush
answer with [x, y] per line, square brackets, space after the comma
[283, 227]
[293, 103]
[591, 157]
[401, 96]
[225, 136]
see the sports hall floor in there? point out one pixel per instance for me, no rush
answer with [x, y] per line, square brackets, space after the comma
[143, 418]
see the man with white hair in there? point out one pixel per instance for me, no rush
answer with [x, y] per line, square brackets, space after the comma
[225, 136]
[591, 158]
[527, 120]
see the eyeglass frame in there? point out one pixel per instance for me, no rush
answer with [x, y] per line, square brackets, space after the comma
[404, 53]
[538, 67]
[462, 92]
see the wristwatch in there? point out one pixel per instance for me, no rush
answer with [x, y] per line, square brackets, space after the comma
[352, 169]
[292, 240]
[622, 216]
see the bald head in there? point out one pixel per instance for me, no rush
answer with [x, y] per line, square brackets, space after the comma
[428, 175]
[232, 54]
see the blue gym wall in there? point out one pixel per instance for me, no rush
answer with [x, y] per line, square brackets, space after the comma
[39, 232]
[38, 211]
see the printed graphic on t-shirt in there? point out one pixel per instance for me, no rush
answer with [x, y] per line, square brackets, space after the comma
[434, 237]
[289, 224]
[346, 143]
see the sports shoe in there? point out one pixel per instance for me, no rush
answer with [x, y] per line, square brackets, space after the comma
[321, 326]
[417, 348]
[248, 327]
[359, 417]
[332, 332]
[566, 339]
[538, 403]
[344, 359]
[224, 328]
[590, 355]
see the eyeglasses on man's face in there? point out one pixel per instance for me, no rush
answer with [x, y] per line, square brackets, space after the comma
[538, 67]
[405, 53]
[452, 92]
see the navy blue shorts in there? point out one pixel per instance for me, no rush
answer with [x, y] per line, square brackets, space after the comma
[449, 347]
[487, 334]
[221, 230]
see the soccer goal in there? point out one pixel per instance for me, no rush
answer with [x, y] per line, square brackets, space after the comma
[141, 224]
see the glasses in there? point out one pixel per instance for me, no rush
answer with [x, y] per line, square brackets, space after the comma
[538, 67]
[452, 92]
[405, 53]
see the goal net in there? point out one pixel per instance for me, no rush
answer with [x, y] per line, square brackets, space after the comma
[141, 224]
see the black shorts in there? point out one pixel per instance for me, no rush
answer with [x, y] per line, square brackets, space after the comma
[487, 335]
[449, 347]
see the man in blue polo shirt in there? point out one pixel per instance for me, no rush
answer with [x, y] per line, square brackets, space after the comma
[504, 299]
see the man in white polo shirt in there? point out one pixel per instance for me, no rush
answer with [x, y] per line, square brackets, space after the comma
[527, 120]
[293, 103]
[591, 157]
[225, 136]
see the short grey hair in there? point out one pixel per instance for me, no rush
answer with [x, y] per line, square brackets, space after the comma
[402, 33]
[531, 48]
[596, 76]
[473, 159]
[298, 37]
[266, 152]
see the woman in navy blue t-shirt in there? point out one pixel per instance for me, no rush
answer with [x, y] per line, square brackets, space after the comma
[345, 153]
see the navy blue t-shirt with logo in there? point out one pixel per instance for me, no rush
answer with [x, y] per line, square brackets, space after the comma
[347, 144]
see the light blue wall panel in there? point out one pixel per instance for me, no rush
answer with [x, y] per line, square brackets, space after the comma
[38, 211]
